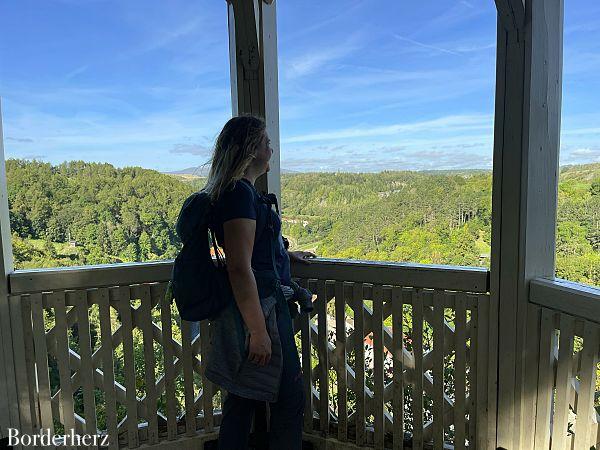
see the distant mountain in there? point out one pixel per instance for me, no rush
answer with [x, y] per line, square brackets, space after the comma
[199, 171]
[581, 171]
[202, 171]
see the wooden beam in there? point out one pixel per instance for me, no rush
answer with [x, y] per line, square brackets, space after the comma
[466, 279]
[268, 45]
[253, 68]
[10, 416]
[572, 298]
[511, 14]
[526, 143]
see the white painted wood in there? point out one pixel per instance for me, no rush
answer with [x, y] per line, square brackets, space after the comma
[151, 397]
[532, 358]
[438, 370]
[572, 298]
[207, 387]
[253, 69]
[321, 310]
[492, 356]
[121, 297]
[41, 360]
[9, 416]
[341, 360]
[34, 404]
[506, 201]
[545, 381]
[378, 416]
[417, 341]
[460, 372]
[188, 379]
[62, 359]
[564, 376]
[20, 310]
[482, 373]
[168, 353]
[472, 377]
[101, 296]
[585, 406]
[6, 244]
[527, 130]
[359, 352]
[398, 296]
[86, 368]
[467, 279]
[268, 37]
[307, 361]
[93, 276]
[232, 60]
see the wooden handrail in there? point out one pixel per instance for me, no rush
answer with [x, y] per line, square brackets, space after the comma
[576, 299]
[466, 279]
[455, 278]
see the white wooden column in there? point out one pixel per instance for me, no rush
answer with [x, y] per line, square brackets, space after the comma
[254, 78]
[526, 148]
[9, 409]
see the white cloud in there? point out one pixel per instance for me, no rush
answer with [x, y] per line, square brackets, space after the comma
[192, 149]
[313, 60]
[77, 71]
[381, 158]
[579, 155]
[424, 45]
[448, 124]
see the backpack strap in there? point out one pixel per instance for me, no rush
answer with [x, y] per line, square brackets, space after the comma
[211, 216]
[271, 199]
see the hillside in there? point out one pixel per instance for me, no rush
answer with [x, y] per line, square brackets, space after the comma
[87, 213]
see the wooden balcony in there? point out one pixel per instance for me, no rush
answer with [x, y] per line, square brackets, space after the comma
[431, 384]
[395, 355]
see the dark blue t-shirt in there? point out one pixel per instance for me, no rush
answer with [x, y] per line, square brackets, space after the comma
[242, 200]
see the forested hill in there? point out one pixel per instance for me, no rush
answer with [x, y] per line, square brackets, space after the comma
[87, 213]
[106, 214]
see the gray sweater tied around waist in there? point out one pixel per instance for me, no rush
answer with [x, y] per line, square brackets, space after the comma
[228, 365]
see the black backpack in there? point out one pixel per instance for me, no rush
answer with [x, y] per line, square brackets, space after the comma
[200, 288]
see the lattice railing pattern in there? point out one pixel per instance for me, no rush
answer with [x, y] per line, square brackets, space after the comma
[111, 360]
[398, 364]
[563, 390]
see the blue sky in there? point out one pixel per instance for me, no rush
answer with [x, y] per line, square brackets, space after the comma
[365, 85]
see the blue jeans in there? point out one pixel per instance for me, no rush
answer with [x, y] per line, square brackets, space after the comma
[286, 413]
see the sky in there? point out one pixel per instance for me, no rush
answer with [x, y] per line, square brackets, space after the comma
[364, 85]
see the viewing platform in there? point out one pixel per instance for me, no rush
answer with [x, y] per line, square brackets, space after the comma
[394, 355]
[433, 381]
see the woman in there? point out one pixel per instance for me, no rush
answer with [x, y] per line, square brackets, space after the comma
[250, 233]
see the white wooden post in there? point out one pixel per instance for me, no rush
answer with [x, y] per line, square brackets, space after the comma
[526, 146]
[9, 405]
[253, 69]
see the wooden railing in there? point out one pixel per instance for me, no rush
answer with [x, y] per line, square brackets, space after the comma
[562, 390]
[400, 352]
[399, 363]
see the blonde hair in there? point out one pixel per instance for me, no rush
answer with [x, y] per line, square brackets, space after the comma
[235, 148]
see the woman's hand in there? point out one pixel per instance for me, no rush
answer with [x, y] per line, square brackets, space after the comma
[301, 256]
[259, 350]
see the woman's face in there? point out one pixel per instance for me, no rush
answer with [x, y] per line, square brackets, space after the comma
[264, 152]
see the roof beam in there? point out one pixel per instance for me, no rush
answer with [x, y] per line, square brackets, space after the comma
[511, 13]
[253, 66]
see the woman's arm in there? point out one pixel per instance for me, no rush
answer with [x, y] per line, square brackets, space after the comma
[239, 239]
[301, 256]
